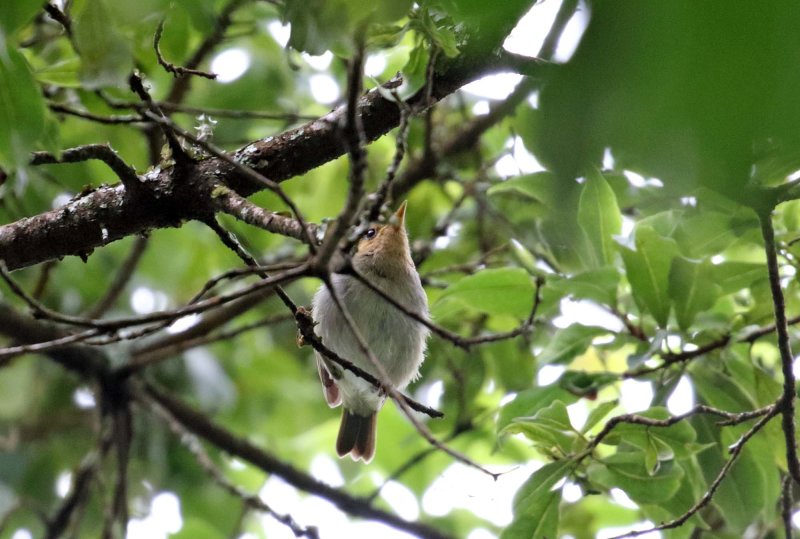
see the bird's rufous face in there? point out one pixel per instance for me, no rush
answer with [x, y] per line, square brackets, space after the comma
[383, 243]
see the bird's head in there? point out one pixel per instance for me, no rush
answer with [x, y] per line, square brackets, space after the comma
[383, 249]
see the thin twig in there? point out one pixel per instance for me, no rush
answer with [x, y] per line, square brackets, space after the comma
[787, 359]
[354, 139]
[787, 506]
[142, 360]
[203, 427]
[382, 196]
[114, 324]
[122, 422]
[43, 280]
[229, 240]
[680, 357]
[688, 355]
[101, 152]
[237, 273]
[77, 496]
[230, 202]
[564, 14]
[730, 418]
[10, 352]
[181, 85]
[712, 488]
[154, 112]
[86, 115]
[193, 445]
[177, 71]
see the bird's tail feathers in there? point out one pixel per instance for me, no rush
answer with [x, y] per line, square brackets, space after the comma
[357, 435]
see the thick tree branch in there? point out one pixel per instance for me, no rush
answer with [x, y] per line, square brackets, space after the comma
[176, 194]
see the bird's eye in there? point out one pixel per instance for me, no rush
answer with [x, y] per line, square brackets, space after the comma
[369, 234]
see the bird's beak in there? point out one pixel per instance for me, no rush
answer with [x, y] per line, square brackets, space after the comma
[399, 217]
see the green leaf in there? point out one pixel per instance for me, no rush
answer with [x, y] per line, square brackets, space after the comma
[387, 11]
[647, 269]
[549, 427]
[415, 69]
[17, 386]
[691, 488]
[526, 122]
[705, 234]
[106, 58]
[599, 217]
[586, 384]
[628, 471]
[536, 503]
[720, 390]
[524, 257]
[674, 441]
[692, 289]
[64, 73]
[598, 413]
[436, 33]
[536, 187]
[740, 497]
[734, 276]
[540, 519]
[22, 110]
[568, 343]
[674, 121]
[511, 362]
[502, 291]
[530, 401]
[15, 13]
[599, 285]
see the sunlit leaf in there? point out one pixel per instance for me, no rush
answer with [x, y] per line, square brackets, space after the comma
[598, 285]
[15, 13]
[629, 472]
[599, 217]
[530, 401]
[598, 413]
[549, 427]
[569, 342]
[536, 503]
[647, 269]
[22, 112]
[667, 442]
[691, 288]
[504, 291]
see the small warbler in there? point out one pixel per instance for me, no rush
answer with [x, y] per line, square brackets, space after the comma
[396, 340]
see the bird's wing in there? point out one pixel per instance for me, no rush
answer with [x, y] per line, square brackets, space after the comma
[329, 387]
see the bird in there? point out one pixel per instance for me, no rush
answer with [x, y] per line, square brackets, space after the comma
[396, 340]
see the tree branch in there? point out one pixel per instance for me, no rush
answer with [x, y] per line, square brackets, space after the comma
[787, 359]
[174, 196]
